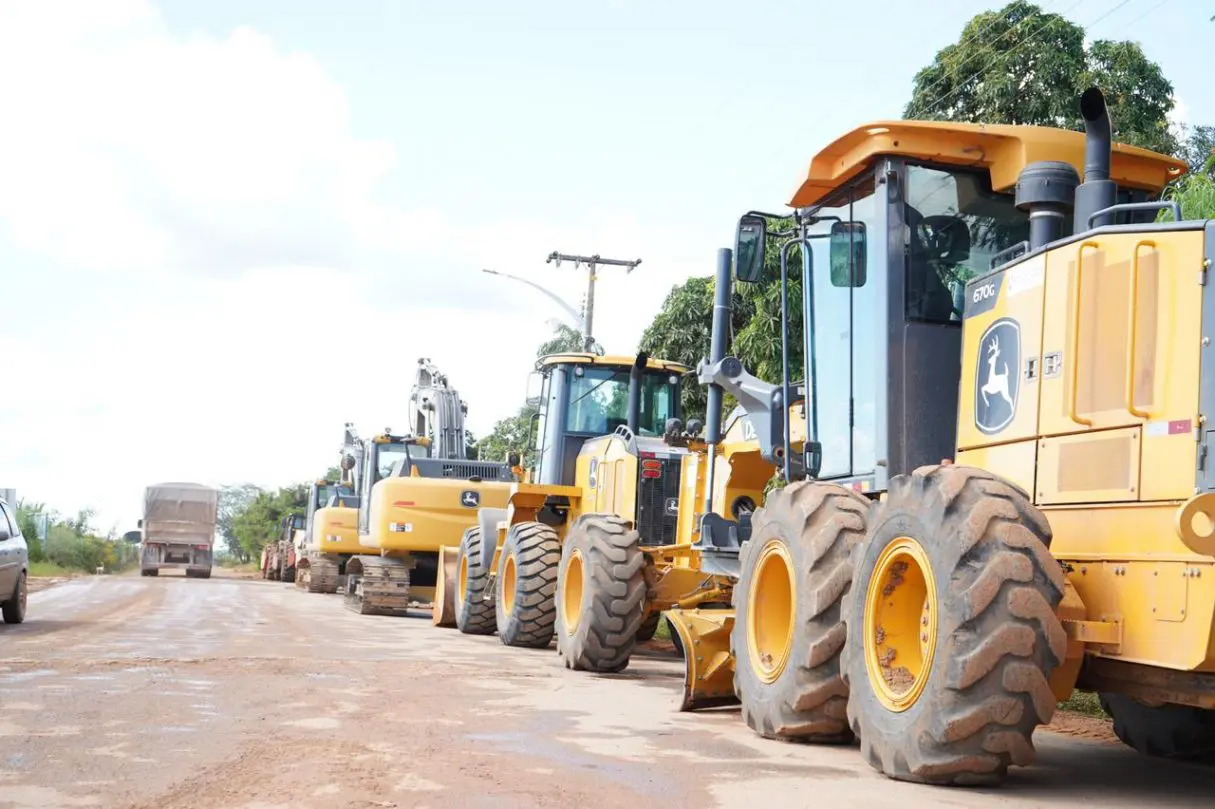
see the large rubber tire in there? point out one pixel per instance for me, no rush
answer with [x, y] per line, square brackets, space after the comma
[1164, 731]
[597, 626]
[474, 615]
[649, 627]
[13, 610]
[993, 593]
[809, 530]
[152, 572]
[527, 579]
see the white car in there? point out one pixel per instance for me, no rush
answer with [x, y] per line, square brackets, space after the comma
[14, 566]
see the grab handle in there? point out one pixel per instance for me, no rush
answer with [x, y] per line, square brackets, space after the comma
[1077, 286]
[1130, 342]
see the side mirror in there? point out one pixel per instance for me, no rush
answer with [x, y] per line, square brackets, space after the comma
[848, 254]
[139, 524]
[535, 388]
[749, 248]
[5, 534]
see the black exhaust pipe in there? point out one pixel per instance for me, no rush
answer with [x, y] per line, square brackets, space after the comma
[1098, 191]
[635, 374]
[722, 300]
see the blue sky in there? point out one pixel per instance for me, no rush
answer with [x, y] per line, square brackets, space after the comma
[230, 226]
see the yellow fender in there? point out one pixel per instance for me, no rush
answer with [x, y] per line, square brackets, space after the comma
[443, 610]
[708, 678]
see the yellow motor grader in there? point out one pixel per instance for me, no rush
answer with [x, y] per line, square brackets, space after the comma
[601, 544]
[961, 544]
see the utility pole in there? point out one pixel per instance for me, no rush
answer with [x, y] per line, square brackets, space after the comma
[591, 263]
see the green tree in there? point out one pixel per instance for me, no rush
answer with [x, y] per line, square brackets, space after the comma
[1196, 193]
[565, 338]
[234, 499]
[261, 520]
[1198, 148]
[1021, 65]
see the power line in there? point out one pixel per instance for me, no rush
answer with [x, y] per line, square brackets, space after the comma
[1003, 57]
[998, 18]
[1144, 14]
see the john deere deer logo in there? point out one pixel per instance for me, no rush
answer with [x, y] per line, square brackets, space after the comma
[997, 381]
[470, 499]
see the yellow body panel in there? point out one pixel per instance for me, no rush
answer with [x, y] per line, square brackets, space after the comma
[426, 512]
[615, 478]
[1091, 391]
[1130, 567]
[1104, 433]
[1016, 462]
[1001, 149]
[335, 529]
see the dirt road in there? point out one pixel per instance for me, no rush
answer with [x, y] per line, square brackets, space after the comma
[226, 693]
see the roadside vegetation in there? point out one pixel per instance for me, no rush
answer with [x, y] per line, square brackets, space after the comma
[72, 545]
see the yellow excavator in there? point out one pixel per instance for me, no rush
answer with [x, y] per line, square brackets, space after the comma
[330, 536]
[417, 493]
[961, 544]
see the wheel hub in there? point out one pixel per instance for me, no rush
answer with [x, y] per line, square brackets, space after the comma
[507, 586]
[771, 612]
[462, 578]
[900, 626]
[571, 602]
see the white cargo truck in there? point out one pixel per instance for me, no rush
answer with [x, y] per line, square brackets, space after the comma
[178, 528]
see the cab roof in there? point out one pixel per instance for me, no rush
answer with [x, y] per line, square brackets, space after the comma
[1002, 149]
[616, 361]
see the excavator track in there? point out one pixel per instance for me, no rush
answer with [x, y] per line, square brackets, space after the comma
[319, 576]
[382, 588]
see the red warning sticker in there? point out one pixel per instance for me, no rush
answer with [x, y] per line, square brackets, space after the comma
[1180, 426]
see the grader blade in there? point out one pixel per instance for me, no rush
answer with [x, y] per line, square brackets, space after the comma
[444, 609]
[704, 635]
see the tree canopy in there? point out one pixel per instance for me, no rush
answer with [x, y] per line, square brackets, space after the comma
[1021, 65]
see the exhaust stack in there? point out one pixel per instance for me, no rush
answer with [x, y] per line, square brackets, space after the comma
[1098, 191]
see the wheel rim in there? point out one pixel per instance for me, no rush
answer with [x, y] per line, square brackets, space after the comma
[900, 626]
[462, 578]
[771, 612]
[507, 588]
[571, 601]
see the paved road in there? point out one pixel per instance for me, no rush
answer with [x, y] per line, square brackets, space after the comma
[227, 693]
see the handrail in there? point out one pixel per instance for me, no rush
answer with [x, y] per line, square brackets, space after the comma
[1075, 359]
[1130, 342]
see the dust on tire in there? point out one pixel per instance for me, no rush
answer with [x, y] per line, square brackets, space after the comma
[819, 523]
[998, 637]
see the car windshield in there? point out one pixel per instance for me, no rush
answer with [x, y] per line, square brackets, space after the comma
[599, 401]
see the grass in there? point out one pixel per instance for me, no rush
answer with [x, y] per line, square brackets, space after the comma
[664, 631]
[1084, 703]
[49, 569]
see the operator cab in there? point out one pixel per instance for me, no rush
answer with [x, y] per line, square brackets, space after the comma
[584, 396]
[387, 456]
[326, 493]
[897, 217]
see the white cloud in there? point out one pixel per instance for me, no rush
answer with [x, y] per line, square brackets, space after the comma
[238, 289]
